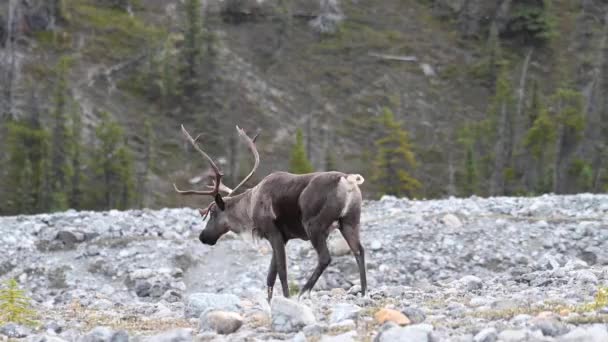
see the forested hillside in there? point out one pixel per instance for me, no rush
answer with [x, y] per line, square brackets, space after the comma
[424, 98]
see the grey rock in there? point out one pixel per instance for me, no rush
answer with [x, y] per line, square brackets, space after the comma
[12, 330]
[222, 322]
[44, 338]
[512, 335]
[104, 334]
[470, 283]
[417, 332]
[592, 333]
[415, 315]
[290, 316]
[173, 335]
[586, 277]
[486, 335]
[375, 245]
[314, 330]
[53, 326]
[350, 336]
[551, 327]
[197, 303]
[451, 220]
[142, 288]
[338, 246]
[344, 311]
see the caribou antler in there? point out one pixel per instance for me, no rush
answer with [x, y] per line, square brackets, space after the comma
[254, 150]
[216, 170]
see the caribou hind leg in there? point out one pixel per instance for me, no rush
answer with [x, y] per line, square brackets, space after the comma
[350, 232]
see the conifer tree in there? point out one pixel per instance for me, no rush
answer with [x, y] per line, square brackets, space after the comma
[570, 120]
[501, 118]
[299, 163]
[192, 51]
[147, 162]
[27, 145]
[539, 142]
[467, 139]
[60, 172]
[112, 165]
[76, 191]
[330, 160]
[394, 157]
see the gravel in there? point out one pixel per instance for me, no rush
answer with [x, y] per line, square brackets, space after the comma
[460, 269]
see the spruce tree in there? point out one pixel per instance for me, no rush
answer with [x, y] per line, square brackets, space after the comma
[112, 166]
[394, 157]
[299, 163]
[570, 119]
[467, 139]
[27, 146]
[60, 172]
[539, 142]
[192, 50]
[76, 187]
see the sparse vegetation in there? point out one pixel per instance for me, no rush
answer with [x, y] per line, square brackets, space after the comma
[15, 306]
[299, 163]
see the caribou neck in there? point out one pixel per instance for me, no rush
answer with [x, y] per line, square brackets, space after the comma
[239, 211]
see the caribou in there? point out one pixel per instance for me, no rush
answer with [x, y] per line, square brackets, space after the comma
[281, 207]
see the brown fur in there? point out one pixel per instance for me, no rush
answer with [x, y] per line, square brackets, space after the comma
[285, 206]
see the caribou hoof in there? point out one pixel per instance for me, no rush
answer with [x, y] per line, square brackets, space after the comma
[305, 294]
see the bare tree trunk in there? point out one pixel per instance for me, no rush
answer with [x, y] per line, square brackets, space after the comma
[451, 176]
[9, 61]
[522, 83]
[559, 148]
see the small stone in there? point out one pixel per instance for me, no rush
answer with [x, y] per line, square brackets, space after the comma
[511, 335]
[197, 303]
[350, 336]
[389, 315]
[410, 333]
[142, 288]
[222, 322]
[105, 334]
[604, 311]
[344, 311]
[289, 316]
[314, 330]
[45, 338]
[174, 335]
[12, 330]
[452, 221]
[486, 335]
[338, 247]
[347, 324]
[470, 283]
[375, 245]
[586, 277]
[415, 315]
[592, 333]
[550, 327]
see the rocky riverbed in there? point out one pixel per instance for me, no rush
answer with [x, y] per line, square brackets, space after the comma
[483, 270]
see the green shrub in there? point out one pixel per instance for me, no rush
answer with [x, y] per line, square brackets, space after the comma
[15, 305]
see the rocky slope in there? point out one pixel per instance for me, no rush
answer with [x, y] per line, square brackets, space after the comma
[291, 62]
[507, 269]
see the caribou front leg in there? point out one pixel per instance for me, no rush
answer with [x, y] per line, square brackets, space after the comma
[272, 276]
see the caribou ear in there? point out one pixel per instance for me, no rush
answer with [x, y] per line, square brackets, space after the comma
[220, 202]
